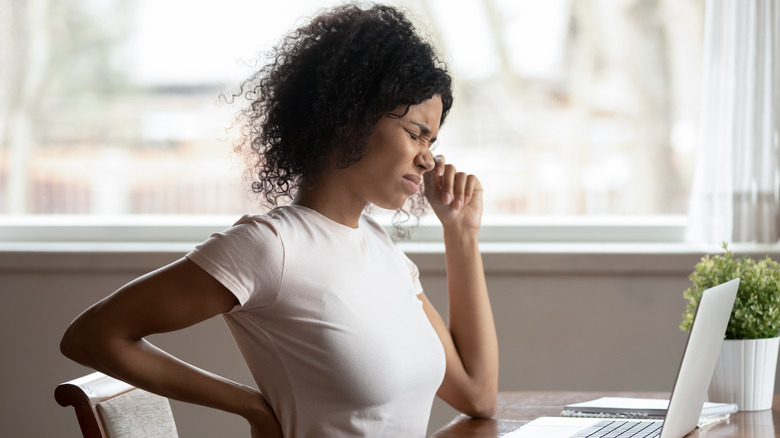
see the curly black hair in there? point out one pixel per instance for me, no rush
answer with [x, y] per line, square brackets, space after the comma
[324, 88]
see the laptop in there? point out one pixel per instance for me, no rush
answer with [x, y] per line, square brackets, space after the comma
[690, 388]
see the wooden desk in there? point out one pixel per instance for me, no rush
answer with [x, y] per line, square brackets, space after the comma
[518, 408]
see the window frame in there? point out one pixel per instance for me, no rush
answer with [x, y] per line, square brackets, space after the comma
[60, 229]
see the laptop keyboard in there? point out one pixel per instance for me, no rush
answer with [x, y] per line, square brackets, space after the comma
[621, 429]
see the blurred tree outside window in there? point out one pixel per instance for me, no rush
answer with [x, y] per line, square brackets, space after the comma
[562, 107]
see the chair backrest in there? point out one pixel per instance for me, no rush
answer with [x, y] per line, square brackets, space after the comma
[110, 408]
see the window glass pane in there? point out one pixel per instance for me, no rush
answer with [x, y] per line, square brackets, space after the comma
[562, 107]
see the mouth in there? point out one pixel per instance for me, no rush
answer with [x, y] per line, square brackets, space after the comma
[413, 182]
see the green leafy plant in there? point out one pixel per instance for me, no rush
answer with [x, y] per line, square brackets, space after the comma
[756, 313]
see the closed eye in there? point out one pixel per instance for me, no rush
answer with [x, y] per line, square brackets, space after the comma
[424, 132]
[414, 136]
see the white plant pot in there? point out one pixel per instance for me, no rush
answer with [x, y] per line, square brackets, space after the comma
[745, 373]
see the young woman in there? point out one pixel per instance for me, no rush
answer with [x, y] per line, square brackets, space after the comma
[329, 315]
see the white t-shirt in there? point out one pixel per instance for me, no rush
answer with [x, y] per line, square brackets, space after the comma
[329, 323]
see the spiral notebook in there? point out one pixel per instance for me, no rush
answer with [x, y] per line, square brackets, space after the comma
[630, 407]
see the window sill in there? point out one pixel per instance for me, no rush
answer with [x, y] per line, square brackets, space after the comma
[499, 257]
[196, 228]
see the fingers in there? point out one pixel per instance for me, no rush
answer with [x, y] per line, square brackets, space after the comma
[456, 188]
[438, 170]
[433, 178]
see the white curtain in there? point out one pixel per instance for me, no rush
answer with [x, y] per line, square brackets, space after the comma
[736, 189]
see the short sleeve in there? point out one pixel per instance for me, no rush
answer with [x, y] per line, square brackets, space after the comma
[248, 259]
[414, 272]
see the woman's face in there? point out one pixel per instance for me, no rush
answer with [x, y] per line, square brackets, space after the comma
[397, 155]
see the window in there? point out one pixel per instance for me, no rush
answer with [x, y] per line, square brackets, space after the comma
[564, 108]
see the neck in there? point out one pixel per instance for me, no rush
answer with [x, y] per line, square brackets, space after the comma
[330, 199]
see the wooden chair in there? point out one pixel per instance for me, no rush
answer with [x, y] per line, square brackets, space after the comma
[110, 408]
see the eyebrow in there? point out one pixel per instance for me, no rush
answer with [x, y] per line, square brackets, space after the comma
[424, 129]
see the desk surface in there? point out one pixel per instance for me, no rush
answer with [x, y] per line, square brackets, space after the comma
[518, 408]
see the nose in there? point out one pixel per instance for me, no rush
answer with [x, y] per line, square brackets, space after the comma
[425, 160]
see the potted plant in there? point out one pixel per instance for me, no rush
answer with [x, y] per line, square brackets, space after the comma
[745, 373]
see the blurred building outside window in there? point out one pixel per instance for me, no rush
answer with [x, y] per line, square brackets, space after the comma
[564, 108]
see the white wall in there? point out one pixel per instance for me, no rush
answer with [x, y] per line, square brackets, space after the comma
[599, 318]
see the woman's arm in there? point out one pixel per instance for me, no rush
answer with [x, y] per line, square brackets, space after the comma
[470, 343]
[109, 338]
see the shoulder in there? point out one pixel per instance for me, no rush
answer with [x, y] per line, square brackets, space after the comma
[254, 224]
[250, 236]
[374, 227]
[275, 221]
